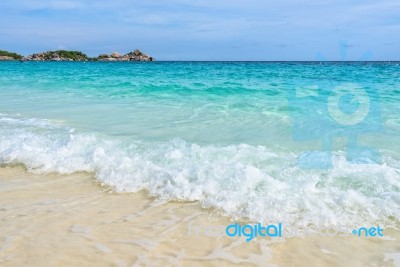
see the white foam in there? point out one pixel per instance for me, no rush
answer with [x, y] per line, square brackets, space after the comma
[244, 181]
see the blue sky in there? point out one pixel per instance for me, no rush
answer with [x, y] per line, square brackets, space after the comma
[207, 29]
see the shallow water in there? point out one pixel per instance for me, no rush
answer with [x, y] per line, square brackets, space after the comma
[229, 135]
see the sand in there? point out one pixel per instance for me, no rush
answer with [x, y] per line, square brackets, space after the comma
[72, 220]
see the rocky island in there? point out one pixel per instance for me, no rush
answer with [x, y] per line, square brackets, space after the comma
[65, 55]
[60, 55]
[136, 55]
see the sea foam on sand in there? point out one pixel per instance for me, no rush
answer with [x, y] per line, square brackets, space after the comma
[71, 220]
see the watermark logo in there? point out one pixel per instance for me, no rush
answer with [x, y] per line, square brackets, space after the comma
[373, 231]
[280, 230]
[325, 109]
[251, 231]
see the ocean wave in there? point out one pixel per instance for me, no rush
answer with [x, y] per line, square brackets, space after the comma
[244, 181]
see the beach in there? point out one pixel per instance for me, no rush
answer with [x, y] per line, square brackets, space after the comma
[66, 220]
[129, 163]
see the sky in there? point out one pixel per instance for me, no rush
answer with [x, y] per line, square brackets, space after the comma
[207, 29]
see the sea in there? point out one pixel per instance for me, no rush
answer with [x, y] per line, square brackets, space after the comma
[295, 142]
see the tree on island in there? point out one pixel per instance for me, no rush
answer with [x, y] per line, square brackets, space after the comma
[75, 55]
[5, 55]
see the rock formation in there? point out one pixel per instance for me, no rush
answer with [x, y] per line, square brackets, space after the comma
[136, 55]
[6, 58]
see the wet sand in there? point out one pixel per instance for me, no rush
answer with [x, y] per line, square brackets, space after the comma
[72, 220]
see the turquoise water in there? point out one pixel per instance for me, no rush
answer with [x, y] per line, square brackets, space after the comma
[225, 134]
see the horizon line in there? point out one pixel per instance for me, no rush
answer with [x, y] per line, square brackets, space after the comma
[268, 61]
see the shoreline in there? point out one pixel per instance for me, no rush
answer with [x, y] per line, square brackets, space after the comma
[71, 219]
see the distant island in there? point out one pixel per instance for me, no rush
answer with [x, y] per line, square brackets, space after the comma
[65, 55]
[5, 55]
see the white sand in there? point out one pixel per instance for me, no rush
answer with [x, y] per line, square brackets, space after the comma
[71, 220]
